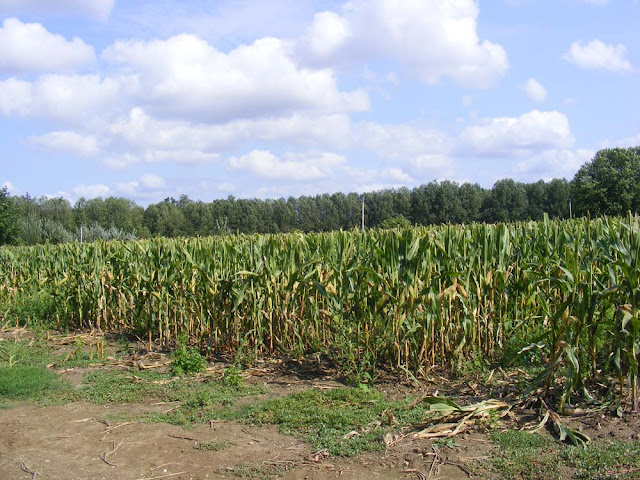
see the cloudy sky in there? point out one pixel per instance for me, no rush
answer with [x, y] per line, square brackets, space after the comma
[269, 98]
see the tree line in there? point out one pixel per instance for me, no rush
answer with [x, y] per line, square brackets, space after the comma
[608, 184]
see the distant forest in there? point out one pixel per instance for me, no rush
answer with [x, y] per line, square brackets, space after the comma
[434, 203]
[609, 184]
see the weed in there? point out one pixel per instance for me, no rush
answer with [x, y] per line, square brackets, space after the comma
[213, 446]
[344, 421]
[31, 353]
[232, 377]
[186, 359]
[34, 310]
[613, 460]
[27, 382]
[257, 472]
[525, 456]
[446, 443]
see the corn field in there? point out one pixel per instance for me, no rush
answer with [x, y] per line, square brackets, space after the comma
[406, 299]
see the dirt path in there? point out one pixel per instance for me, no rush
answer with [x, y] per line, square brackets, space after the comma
[71, 442]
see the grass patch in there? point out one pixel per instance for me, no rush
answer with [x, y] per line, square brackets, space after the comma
[213, 446]
[343, 421]
[257, 472]
[200, 399]
[526, 456]
[27, 383]
[24, 353]
[612, 460]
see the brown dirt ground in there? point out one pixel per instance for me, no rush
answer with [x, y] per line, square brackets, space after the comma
[75, 441]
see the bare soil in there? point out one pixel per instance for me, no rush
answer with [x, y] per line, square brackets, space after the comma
[82, 441]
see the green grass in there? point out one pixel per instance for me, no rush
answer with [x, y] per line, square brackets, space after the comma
[525, 456]
[344, 421]
[255, 472]
[27, 383]
[613, 460]
[213, 446]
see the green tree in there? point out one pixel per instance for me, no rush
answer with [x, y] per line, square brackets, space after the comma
[507, 202]
[8, 224]
[609, 184]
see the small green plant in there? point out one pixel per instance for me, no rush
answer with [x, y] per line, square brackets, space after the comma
[446, 443]
[232, 377]
[213, 446]
[187, 360]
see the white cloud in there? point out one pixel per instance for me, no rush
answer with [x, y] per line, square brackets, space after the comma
[434, 163]
[399, 140]
[533, 130]
[292, 167]
[326, 35]
[428, 38]
[555, 163]
[140, 131]
[30, 48]
[597, 2]
[185, 77]
[15, 97]
[598, 56]
[535, 90]
[121, 160]
[89, 191]
[180, 156]
[67, 141]
[152, 181]
[396, 175]
[70, 98]
[10, 187]
[100, 9]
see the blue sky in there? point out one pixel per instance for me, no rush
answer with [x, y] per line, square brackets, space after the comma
[148, 99]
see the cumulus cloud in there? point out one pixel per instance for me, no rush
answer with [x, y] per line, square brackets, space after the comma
[554, 163]
[30, 48]
[292, 167]
[535, 90]
[70, 98]
[180, 156]
[10, 187]
[430, 39]
[67, 141]
[152, 181]
[139, 129]
[597, 55]
[185, 77]
[398, 140]
[509, 135]
[100, 9]
[88, 191]
[396, 175]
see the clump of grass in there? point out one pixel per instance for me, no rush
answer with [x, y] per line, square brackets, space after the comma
[612, 460]
[213, 446]
[525, 456]
[256, 472]
[343, 421]
[27, 383]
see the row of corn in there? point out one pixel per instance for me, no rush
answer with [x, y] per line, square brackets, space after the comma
[408, 299]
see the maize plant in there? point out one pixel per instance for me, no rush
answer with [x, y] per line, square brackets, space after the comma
[407, 298]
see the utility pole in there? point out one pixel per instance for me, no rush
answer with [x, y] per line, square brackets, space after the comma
[569, 208]
[362, 212]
